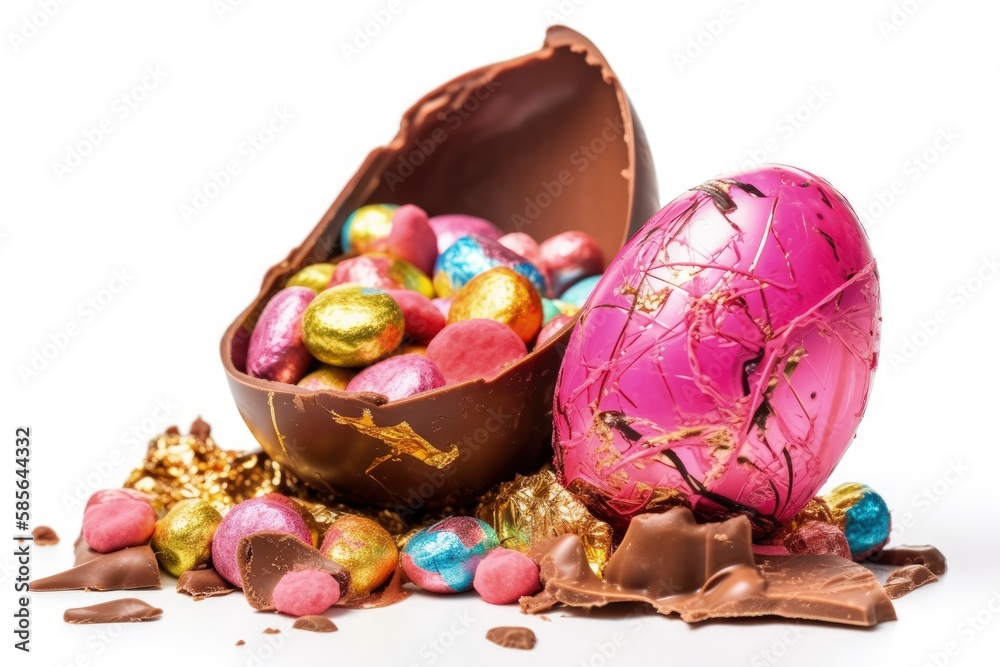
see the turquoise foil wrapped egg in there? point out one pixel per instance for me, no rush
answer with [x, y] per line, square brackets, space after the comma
[471, 255]
[863, 515]
[443, 558]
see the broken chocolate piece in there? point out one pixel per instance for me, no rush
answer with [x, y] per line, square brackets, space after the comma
[240, 642]
[134, 567]
[44, 536]
[907, 579]
[200, 429]
[708, 571]
[125, 610]
[512, 637]
[272, 631]
[82, 551]
[201, 584]
[314, 624]
[925, 555]
[385, 595]
[266, 556]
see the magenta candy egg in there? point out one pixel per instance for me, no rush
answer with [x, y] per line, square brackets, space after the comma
[423, 319]
[569, 257]
[450, 228]
[724, 359]
[410, 238]
[276, 350]
[249, 517]
[399, 377]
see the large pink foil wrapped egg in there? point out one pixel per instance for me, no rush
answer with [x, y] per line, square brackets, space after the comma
[724, 359]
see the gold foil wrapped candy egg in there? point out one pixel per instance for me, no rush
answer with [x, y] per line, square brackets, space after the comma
[182, 539]
[327, 377]
[503, 295]
[364, 548]
[349, 326]
[315, 276]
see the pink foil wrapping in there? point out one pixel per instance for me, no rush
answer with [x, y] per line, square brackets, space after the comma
[725, 358]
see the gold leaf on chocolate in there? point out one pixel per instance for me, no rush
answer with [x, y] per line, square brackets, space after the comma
[535, 508]
[400, 439]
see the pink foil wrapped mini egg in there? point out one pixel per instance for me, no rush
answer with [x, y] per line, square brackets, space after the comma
[724, 359]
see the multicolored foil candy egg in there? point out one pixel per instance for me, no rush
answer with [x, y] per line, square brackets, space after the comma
[365, 226]
[503, 295]
[863, 516]
[277, 351]
[449, 228]
[382, 272]
[327, 378]
[443, 558]
[725, 357]
[315, 276]
[579, 292]
[348, 326]
[471, 255]
[364, 548]
[182, 539]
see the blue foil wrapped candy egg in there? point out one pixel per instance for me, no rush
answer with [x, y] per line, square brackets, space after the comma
[471, 255]
[443, 558]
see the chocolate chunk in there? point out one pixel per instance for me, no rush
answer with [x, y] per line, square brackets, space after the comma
[925, 555]
[907, 579]
[385, 595]
[173, 430]
[240, 642]
[264, 557]
[134, 567]
[44, 536]
[201, 584]
[200, 429]
[82, 551]
[272, 631]
[708, 571]
[314, 624]
[512, 637]
[125, 610]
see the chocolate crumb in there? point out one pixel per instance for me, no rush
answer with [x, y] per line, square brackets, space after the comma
[512, 637]
[907, 579]
[315, 624]
[125, 610]
[272, 631]
[173, 430]
[240, 642]
[44, 536]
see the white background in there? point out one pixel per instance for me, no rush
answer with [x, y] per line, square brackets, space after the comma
[883, 94]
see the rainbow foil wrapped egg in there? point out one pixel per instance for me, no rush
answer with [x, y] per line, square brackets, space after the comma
[724, 359]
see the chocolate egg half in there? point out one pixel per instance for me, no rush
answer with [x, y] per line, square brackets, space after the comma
[497, 143]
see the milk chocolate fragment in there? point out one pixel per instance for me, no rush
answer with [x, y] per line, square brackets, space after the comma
[82, 551]
[272, 631]
[314, 624]
[44, 536]
[201, 584]
[708, 571]
[134, 567]
[925, 555]
[512, 637]
[907, 579]
[240, 642]
[125, 610]
[264, 557]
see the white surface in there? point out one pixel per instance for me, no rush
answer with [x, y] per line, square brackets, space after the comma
[886, 98]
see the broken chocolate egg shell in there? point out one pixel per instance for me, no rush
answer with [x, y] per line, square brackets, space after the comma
[541, 144]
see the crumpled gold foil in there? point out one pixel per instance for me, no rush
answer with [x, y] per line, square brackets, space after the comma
[535, 508]
[192, 466]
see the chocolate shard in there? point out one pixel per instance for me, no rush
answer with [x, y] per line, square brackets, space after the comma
[385, 595]
[240, 642]
[926, 555]
[512, 637]
[272, 631]
[907, 579]
[125, 610]
[201, 584]
[82, 551]
[134, 567]
[266, 556]
[704, 571]
[314, 624]
[45, 536]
